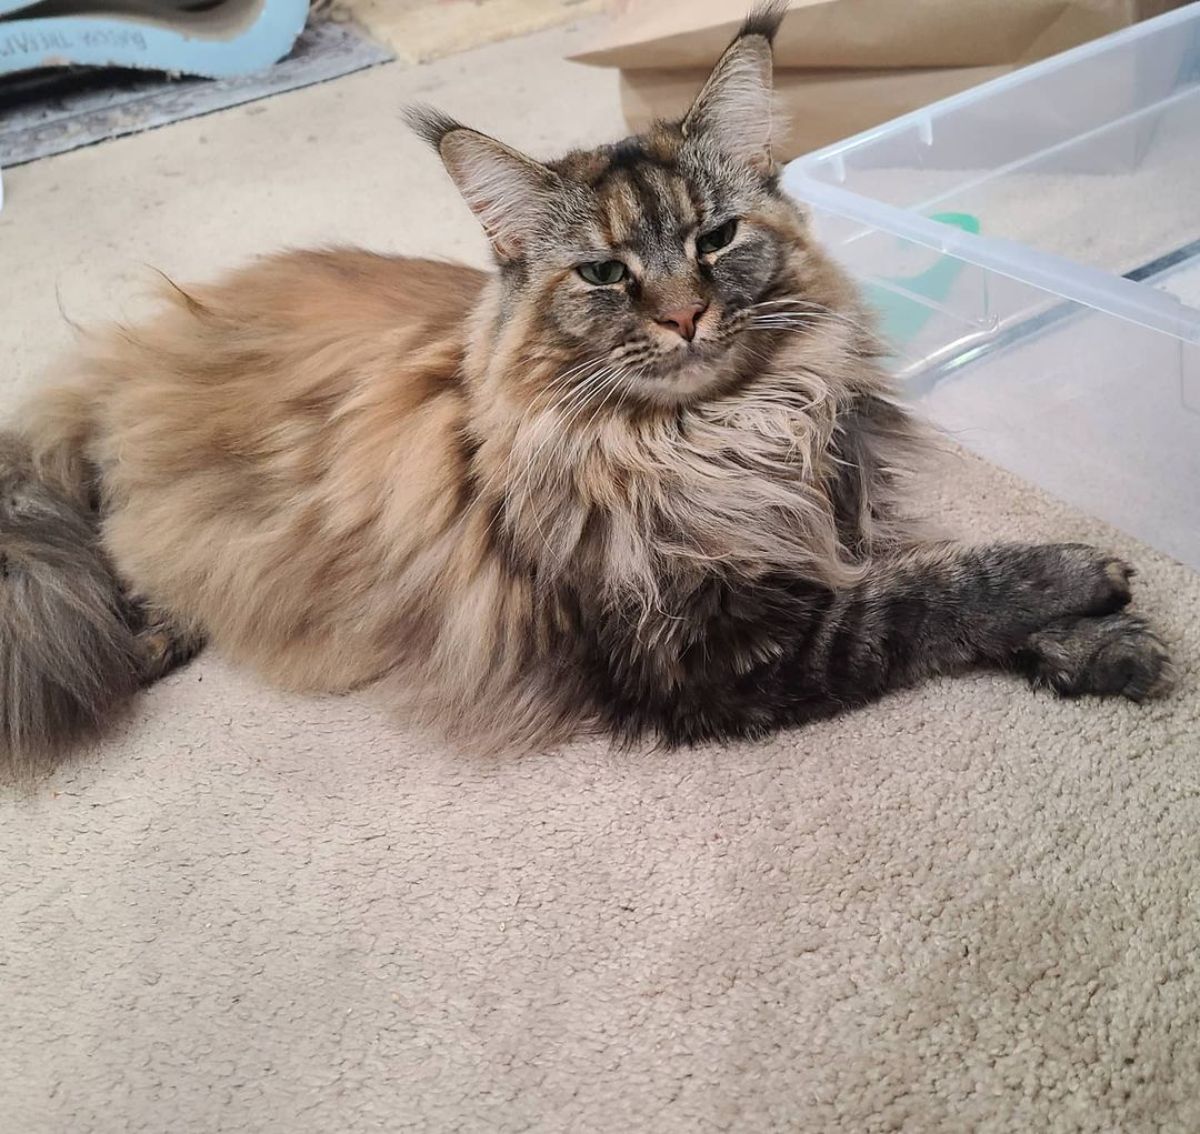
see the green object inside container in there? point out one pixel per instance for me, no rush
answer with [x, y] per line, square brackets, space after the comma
[903, 315]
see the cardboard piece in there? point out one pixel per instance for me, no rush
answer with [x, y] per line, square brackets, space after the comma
[818, 107]
[843, 66]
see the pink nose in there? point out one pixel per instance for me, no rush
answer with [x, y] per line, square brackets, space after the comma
[683, 320]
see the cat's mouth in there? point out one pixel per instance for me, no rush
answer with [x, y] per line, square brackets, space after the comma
[719, 360]
[688, 355]
[687, 372]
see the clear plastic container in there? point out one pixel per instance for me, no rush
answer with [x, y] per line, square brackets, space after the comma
[1033, 247]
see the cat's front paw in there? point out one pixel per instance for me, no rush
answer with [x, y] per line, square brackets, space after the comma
[1113, 655]
[1089, 581]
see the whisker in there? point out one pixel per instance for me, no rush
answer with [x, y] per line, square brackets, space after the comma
[567, 410]
[598, 388]
[796, 306]
[566, 394]
[620, 375]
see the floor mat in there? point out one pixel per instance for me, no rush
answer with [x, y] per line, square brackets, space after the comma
[48, 113]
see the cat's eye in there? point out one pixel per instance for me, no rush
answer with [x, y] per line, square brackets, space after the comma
[716, 238]
[603, 272]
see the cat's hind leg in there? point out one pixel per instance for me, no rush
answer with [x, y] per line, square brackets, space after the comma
[163, 643]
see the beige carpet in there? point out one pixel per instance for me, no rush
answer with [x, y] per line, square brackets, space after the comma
[968, 908]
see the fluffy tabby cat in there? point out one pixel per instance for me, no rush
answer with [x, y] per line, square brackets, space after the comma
[645, 478]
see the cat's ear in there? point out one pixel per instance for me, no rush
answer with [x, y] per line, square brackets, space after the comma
[508, 192]
[735, 108]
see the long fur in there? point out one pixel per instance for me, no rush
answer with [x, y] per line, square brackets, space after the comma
[67, 651]
[521, 503]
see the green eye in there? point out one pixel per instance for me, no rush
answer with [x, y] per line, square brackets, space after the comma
[717, 238]
[603, 272]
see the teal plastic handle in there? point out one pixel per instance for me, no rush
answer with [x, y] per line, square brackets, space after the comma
[902, 317]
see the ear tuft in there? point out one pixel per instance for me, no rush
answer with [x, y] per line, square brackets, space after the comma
[764, 20]
[430, 123]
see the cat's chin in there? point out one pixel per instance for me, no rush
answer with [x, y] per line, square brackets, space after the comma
[687, 380]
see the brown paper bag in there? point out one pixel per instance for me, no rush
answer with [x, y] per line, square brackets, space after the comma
[843, 66]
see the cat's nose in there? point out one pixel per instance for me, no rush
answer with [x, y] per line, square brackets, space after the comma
[683, 320]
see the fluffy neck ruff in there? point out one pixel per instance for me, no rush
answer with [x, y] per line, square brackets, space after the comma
[632, 500]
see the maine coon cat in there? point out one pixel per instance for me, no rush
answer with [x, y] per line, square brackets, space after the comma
[647, 477]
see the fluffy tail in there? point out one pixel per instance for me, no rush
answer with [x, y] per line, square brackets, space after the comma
[68, 654]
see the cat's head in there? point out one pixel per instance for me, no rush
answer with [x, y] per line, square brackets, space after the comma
[663, 265]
